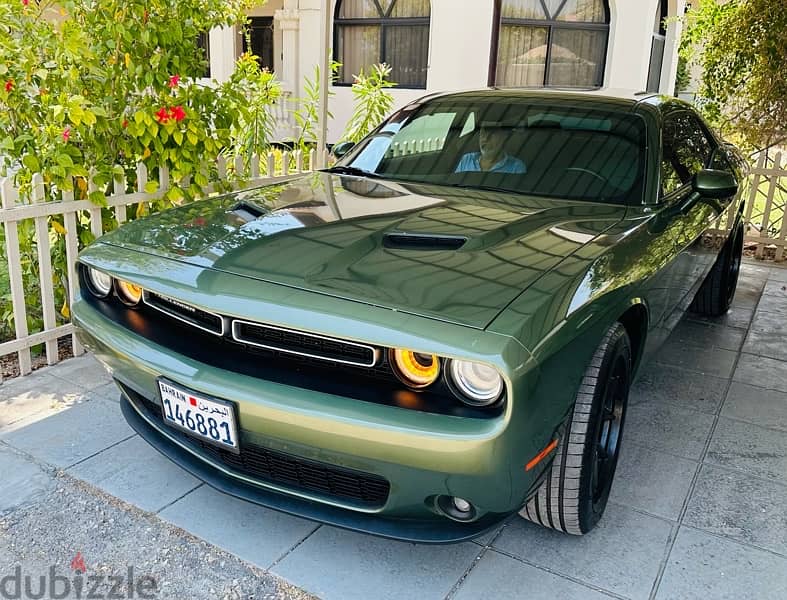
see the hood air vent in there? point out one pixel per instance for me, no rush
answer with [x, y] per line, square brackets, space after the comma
[419, 241]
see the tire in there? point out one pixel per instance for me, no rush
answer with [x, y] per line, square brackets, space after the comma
[574, 494]
[718, 290]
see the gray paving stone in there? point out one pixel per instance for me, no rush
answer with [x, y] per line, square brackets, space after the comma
[497, 576]
[137, 474]
[749, 448]
[255, 534]
[621, 555]
[741, 507]
[38, 394]
[773, 304]
[767, 408]
[84, 371]
[22, 480]
[762, 371]
[668, 428]
[716, 362]
[769, 322]
[486, 538]
[706, 335]
[108, 391]
[342, 565]
[71, 435]
[775, 288]
[706, 567]
[772, 344]
[736, 317]
[651, 481]
[751, 267]
[661, 384]
[778, 274]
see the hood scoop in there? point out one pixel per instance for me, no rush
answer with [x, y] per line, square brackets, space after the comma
[422, 241]
[247, 211]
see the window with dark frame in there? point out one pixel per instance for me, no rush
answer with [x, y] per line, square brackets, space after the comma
[203, 45]
[395, 32]
[258, 38]
[550, 43]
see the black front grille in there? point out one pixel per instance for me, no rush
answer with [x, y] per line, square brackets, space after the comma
[296, 342]
[285, 470]
[185, 312]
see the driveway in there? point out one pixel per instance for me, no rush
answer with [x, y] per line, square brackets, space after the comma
[698, 508]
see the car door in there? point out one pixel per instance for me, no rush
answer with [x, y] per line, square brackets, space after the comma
[687, 149]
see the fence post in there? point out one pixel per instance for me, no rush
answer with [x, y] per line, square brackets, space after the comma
[45, 269]
[72, 247]
[119, 189]
[766, 214]
[9, 197]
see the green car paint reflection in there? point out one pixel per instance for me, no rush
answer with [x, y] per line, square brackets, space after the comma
[273, 298]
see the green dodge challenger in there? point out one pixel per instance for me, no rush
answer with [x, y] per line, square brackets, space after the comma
[439, 331]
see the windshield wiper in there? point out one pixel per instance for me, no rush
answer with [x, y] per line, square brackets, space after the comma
[345, 170]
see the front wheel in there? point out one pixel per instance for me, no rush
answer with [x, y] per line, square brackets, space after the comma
[574, 494]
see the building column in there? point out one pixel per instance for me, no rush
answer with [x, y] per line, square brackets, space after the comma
[669, 65]
[222, 52]
[288, 22]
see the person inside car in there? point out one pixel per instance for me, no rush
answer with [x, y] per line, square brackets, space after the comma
[492, 156]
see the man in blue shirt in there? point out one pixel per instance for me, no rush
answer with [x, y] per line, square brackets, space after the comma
[492, 157]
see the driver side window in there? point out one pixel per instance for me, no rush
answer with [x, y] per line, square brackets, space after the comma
[686, 150]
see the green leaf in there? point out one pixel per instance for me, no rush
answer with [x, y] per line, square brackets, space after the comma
[31, 162]
[151, 187]
[64, 160]
[98, 198]
[178, 137]
[192, 137]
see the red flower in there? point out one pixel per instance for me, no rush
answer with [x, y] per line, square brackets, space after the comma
[66, 134]
[162, 116]
[177, 113]
[9, 85]
[173, 81]
[124, 124]
[25, 2]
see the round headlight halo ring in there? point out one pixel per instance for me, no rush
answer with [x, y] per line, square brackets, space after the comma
[417, 370]
[99, 283]
[128, 293]
[467, 390]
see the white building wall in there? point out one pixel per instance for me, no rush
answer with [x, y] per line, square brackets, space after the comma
[459, 48]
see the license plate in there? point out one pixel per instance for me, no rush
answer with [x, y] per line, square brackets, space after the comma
[208, 419]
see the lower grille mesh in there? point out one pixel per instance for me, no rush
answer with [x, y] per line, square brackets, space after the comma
[271, 466]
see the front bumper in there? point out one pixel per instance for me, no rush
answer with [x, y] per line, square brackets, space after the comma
[433, 530]
[421, 455]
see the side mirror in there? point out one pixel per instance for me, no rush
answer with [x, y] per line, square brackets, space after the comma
[342, 148]
[709, 183]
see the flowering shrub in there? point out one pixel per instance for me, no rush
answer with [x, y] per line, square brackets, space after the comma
[89, 89]
[116, 83]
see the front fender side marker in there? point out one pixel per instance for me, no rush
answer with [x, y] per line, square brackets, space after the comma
[541, 455]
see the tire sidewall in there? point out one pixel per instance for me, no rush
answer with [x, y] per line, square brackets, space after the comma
[618, 346]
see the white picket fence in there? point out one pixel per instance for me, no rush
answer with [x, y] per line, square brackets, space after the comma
[766, 204]
[16, 208]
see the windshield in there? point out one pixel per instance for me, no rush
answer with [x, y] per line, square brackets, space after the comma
[573, 149]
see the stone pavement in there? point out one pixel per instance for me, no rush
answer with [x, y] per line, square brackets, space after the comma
[698, 508]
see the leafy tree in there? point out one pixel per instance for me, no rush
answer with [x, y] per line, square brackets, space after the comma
[741, 47]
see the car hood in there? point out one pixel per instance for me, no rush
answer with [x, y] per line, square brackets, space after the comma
[460, 255]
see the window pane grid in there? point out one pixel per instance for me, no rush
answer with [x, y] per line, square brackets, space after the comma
[572, 51]
[392, 31]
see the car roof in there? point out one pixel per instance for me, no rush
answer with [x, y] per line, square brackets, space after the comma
[618, 96]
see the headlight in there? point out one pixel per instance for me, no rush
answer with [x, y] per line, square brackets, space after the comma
[99, 283]
[415, 369]
[478, 384]
[129, 293]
